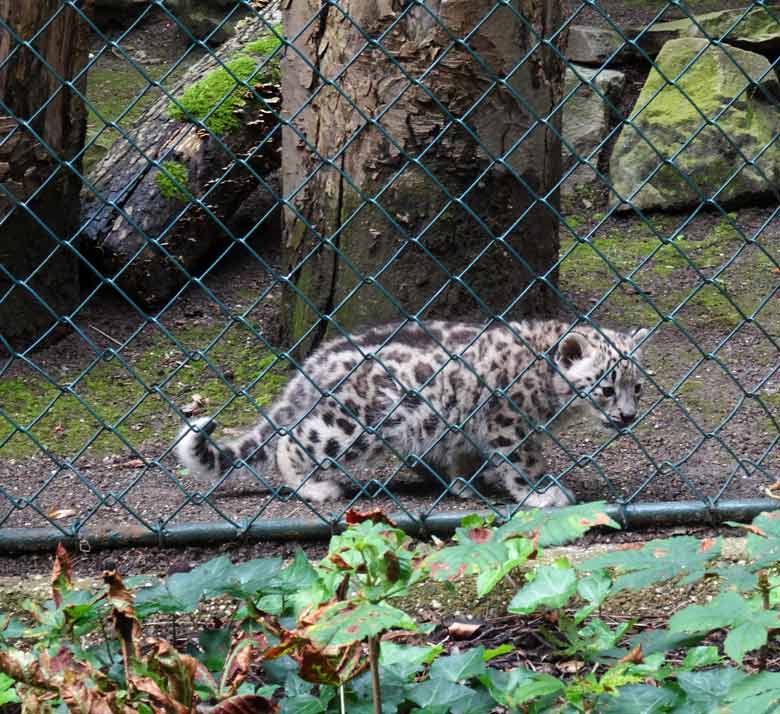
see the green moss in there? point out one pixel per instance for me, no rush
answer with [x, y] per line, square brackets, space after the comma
[172, 180]
[110, 393]
[677, 99]
[119, 93]
[217, 97]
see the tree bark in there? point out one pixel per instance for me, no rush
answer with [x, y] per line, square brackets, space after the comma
[36, 236]
[397, 197]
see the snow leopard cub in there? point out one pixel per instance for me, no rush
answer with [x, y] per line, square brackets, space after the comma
[448, 393]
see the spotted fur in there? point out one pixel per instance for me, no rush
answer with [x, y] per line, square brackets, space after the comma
[450, 394]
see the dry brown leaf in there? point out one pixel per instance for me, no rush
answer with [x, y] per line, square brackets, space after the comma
[462, 630]
[59, 513]
[635, 656]
[570, 666]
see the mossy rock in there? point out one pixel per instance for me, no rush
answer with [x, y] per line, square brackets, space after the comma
[696, 83]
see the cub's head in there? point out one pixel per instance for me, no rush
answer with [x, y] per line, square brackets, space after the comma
[598, 366]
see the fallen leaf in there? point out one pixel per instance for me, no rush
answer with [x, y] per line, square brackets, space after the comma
[376, 516]
[58, 513]
[462, 630]
[635, 656]
[570, 666]
[133, 464]
[197, 406]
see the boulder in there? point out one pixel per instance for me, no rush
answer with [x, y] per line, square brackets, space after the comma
[586, 120]
[757, 30]
[669, 123]
[592, 45]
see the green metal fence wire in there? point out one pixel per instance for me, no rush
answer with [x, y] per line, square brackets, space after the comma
[54, 487]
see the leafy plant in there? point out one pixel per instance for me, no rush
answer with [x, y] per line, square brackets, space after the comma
[333, 636]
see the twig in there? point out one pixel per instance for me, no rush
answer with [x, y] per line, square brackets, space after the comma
[373, 658]
[106, 335]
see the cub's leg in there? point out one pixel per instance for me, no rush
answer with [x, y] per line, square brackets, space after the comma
[295, 465]
[521, 475]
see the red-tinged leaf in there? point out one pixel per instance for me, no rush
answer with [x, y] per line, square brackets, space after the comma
[61, 574]
[393, 566]
[125, 622]
[339, 562]
[176, 669]
[246, 649]
[706, 544]
[243, 704]
[317, 667]
[755, 530]
[480, 535]
[354, 517]
[629, 546]
[599, 519]
[160, 703]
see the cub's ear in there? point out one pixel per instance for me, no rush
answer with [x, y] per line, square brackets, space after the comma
[638, 335]
[572, 348]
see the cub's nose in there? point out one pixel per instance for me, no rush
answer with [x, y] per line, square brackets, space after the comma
[626, 419]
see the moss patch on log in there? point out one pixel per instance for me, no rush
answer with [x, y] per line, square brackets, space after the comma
[216, 98]
[172, 180]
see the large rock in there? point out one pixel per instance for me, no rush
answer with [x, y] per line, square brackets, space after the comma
[757, 30]
[593, 45]
[670, 124]
[586, 120]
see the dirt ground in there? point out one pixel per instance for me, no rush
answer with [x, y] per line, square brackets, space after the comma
[711, 400]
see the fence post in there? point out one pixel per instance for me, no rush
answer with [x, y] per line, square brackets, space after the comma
[31, 90]
[435, 114]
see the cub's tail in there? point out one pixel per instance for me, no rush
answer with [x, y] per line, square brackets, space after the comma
[205, 458]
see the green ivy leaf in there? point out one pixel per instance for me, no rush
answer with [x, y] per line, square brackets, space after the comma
[520, 686]
[594, 589]
[407, 660]
[699, 657]
[181, 592]
[214, 648]
[638, 699]
[244, 580]
[7, 690]
[763, 540]
[709, 687]
[657, 561]
[552, 586]
[345, 622]
[748, 621]
[557, 526]
[758, 693]
[457, 667]
[456, 698]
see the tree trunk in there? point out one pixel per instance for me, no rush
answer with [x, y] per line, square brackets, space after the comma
[415, 128]
[36, 236]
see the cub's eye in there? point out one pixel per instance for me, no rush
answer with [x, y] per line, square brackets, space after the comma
[608, 391]
[637, 388]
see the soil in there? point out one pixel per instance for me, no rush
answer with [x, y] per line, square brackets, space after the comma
[712, 392]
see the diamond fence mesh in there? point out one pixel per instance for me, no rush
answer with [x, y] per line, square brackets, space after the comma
[196, 196]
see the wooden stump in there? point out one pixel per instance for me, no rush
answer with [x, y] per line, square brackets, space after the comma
[399, 202]
[34, 238]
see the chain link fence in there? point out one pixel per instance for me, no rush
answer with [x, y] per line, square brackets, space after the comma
[193, 197]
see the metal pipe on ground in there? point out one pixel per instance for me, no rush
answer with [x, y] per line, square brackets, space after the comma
[634, 516]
